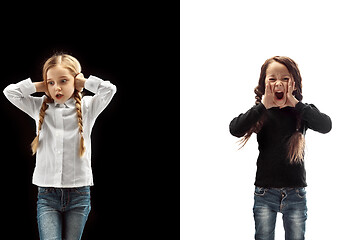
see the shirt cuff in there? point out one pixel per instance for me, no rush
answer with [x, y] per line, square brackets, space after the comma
[92, 83]
[27, 87]
[300, 106]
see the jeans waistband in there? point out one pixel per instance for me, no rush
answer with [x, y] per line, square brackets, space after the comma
[281, 189]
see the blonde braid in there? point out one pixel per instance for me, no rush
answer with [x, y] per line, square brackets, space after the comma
[77, 97]
[44, 106]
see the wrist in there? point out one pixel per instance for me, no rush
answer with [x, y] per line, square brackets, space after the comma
[264, 103]
[82, 82]
[40, 86]
[295, 101]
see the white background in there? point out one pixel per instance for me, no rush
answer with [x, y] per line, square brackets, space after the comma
[223, 45]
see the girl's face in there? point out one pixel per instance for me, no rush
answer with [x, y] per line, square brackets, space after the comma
[60, 84]
[278, 76]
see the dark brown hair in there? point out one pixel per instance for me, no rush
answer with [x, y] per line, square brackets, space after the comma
[296, 142]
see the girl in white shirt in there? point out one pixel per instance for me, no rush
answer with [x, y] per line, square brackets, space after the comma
[64, 121]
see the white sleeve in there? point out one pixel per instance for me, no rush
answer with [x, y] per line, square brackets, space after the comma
[104, 92]
[19, 95]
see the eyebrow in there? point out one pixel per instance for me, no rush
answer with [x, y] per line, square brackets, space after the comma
[285, 75]
[50, 79]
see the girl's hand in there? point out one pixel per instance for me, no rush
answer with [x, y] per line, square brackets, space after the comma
[41, 87]
[79, 82]
[291, 101]
[268, 99]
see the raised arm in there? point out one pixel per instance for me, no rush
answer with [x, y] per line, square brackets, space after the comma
[313, 118]
[19, 94]
[241, 124]
[104, 92]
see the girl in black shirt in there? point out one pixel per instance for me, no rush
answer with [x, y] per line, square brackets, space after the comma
[280, 120]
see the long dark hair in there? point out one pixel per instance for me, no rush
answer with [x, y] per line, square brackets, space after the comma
[296, 142]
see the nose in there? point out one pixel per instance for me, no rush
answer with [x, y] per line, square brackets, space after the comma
[58, 88]
[278, 83]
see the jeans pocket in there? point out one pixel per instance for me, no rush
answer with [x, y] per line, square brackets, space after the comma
[45, 190]
[301, 193]
[260, 191]
[84, 191]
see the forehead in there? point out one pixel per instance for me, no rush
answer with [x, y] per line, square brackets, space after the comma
[57, 71]
[276, 68]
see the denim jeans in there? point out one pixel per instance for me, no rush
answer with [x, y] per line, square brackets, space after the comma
[62, 212]
[291, 202]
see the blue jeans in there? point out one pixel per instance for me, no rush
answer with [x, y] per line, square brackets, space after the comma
[291, 202]
[62, 212]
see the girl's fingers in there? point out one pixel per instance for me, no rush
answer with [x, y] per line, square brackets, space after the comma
[268, 88]
[291, 86]
[79, 75]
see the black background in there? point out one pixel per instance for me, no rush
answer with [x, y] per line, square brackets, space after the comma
[135, 149]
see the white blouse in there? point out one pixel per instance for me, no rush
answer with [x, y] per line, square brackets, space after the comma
[58, 163]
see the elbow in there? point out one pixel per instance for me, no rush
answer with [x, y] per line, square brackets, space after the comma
[7, 91]
[327, 127]
[111, 88]
[235, 129]
[235, 132]
[232, 132]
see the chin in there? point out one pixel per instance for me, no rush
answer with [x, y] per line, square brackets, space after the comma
[280, 103]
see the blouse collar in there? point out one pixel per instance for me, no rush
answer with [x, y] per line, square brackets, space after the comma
[70, 103]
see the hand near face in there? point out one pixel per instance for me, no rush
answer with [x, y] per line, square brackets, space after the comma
[41, 87]
[268, 99]
[291, 101]
[279, 87]
[269, 96]
[79, 82]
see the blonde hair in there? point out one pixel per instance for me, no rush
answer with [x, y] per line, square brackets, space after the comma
[73, 65]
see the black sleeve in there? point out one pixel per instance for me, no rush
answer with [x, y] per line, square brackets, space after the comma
[313, 118]
[241, 124]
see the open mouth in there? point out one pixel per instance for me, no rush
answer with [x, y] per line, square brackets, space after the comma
[59, 95]
[279, 95]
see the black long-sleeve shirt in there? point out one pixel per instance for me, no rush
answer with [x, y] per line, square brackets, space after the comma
[273, 166]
